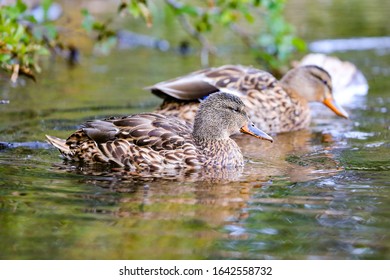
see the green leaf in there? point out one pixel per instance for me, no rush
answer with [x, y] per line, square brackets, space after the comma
[51, 31]
[98, 26]
[30, 19]
[19, 32]
[134, 9]
[249, 17]
[85, 12]
[46, 4]
[189, 10]
[256, 3]
[5, 57]
[226, 17]
[122, 7]
[20, 6]
[43, 51]
[299, 44]
[104, 47]
[88, 20]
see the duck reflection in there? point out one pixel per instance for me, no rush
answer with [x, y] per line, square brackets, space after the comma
[213, 195]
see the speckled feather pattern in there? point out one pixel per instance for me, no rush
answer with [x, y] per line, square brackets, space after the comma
[185, 110]
[146, 142]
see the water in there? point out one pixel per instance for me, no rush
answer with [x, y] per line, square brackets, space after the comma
[321, 193]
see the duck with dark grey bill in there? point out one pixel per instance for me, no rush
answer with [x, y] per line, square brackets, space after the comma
[150, 141]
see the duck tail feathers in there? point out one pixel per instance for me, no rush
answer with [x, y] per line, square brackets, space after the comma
[59, 143]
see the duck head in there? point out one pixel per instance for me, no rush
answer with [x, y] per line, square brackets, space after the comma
[315, 85]
[222, 115]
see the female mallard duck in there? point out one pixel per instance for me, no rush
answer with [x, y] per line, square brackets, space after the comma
[274, 106]
[152, 141]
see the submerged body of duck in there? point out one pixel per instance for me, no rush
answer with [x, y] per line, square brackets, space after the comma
[274, 106]
[151, 141]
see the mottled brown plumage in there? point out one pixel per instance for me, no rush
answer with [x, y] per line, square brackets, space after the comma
[274, 106]
[151, 141]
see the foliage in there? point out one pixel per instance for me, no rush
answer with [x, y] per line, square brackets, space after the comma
[21, 42]
[277, 42]
[106, 38]
[273, 42]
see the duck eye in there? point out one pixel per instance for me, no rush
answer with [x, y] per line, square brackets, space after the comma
[235, 109]
[327, 84]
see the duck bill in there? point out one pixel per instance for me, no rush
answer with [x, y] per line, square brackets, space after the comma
[251, 129]
[335, 107]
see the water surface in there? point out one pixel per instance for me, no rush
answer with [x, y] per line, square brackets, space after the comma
[320, 193]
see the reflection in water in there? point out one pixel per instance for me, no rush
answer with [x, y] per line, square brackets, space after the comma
[300, 156]
[206, 174]
[342, 206]
[321, 193]
[189, 208]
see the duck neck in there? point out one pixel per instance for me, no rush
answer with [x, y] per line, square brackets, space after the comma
[221, 152]
[298, 85]
[300, 115]
[207, 130]
[295, 91]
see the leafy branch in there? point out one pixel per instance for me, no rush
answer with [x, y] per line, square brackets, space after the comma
[22, 44]
[273, 42]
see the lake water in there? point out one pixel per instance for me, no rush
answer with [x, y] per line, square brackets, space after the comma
[320, 193]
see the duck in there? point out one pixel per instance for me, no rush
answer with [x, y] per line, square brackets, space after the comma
[152, 142]
[348, 81]
[275, 106]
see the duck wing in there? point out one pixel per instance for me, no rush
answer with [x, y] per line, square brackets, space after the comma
[142, 141]
[193, 86]
[235, 79]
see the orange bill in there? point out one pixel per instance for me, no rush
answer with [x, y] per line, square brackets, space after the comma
[251, 129]
[335, 107]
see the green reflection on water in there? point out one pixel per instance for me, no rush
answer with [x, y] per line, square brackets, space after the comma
[300, 198]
